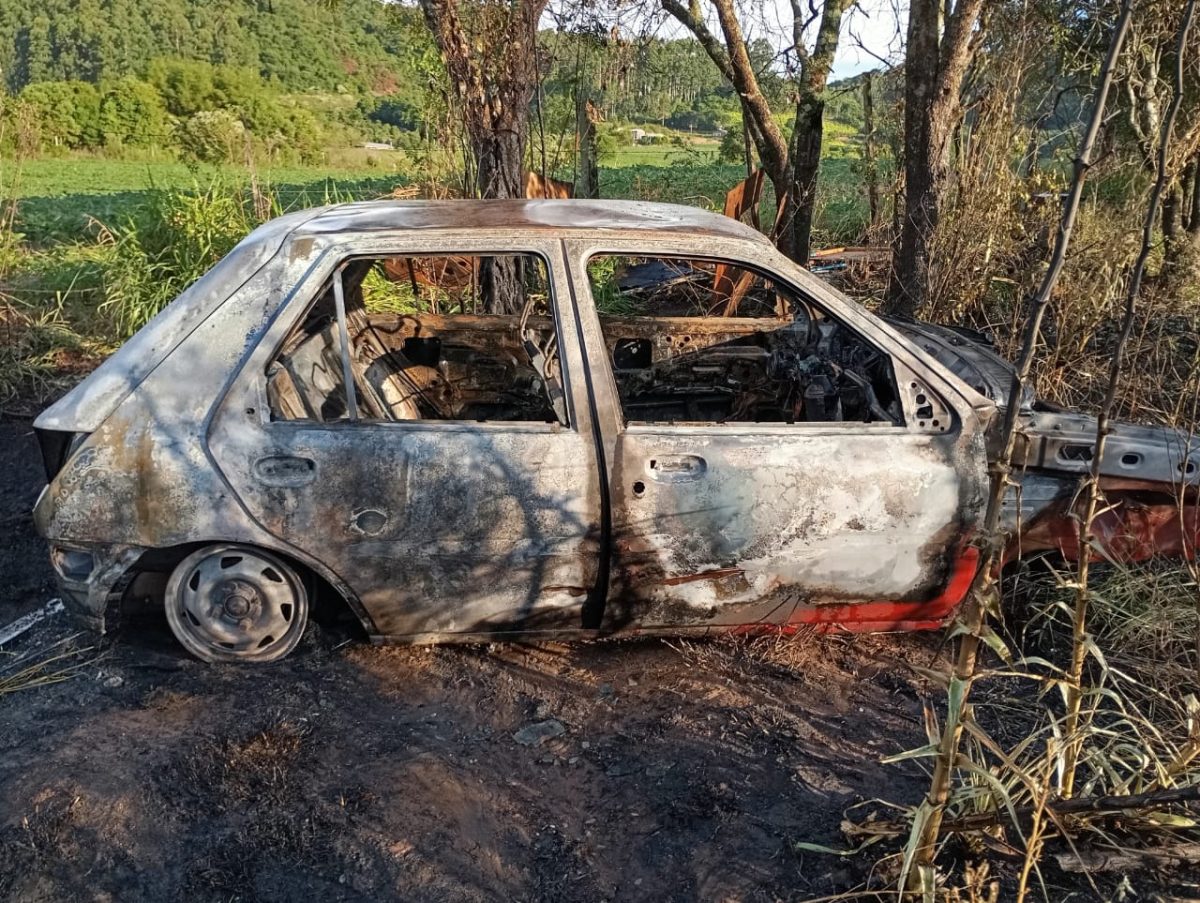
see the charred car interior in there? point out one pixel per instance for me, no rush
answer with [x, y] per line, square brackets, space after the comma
[418, 347]
[690, 341]
[696, 341]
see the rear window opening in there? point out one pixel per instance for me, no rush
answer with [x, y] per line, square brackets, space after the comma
[449, 338]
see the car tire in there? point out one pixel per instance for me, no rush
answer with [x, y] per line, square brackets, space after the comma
[235, 603]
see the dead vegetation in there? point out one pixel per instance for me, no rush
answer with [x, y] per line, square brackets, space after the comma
[1070, 738]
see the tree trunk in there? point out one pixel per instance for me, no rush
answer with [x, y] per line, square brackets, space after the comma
[498, 153]
[933, 74]
[792, 166]
[806, 157]
[869, 154]
[488, 49]
[1181, 228]
[910, 267]
[809, 130]
[587, 182]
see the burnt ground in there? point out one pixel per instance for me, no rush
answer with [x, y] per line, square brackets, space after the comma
[683, 771]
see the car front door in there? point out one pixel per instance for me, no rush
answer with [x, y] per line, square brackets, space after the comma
[724, 520]
[472, 521]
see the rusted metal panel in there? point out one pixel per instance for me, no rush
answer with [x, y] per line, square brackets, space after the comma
[1138, 520]
[441, 527]
[555, 217]
[771, 524]
[780, 521]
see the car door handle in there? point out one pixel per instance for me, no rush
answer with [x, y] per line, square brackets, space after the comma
[285, 470]
[677, 468]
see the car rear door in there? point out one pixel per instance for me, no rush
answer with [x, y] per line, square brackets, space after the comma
[722, 524]
[442, 528]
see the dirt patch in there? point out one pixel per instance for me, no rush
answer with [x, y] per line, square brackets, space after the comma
[364, 772]
[26, 581]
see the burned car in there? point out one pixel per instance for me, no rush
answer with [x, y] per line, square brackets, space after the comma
[483, 420]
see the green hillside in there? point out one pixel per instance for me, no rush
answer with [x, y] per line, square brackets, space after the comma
[299, 45]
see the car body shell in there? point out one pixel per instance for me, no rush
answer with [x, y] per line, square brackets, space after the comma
[434, 531]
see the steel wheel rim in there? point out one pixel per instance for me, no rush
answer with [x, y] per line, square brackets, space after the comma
[233, 603]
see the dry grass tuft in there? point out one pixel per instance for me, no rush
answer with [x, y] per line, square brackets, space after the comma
[54, 664]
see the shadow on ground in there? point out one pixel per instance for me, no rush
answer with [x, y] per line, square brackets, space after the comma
[676, 771]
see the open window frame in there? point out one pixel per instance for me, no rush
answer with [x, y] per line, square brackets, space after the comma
[702, 340]
[329, 281]
[926, 406]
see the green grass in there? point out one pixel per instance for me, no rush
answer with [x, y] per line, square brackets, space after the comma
[55, 177]
[66, 199]
[660, 155]
[104, 243]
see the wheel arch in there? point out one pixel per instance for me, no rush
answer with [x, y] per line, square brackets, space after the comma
[326, 583]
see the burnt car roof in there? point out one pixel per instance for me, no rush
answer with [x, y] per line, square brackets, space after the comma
[517, 215]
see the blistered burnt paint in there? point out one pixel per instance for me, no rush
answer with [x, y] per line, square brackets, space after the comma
[786, 523]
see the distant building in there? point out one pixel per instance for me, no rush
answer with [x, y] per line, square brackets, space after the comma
[378, 145]
[641, 136]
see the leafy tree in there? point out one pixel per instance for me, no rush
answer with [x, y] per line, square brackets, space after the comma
[186, 86]
[39, 52]
[132, 113]
[212, 136]
[67, 114]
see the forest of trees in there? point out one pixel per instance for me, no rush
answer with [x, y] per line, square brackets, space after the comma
[296, 45]
[295, 76]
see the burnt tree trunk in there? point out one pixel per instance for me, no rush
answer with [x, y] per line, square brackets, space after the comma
[806, 157]
[488, 49]
[809, 133]
[1171, 213]
[936, 62]
[499, 152]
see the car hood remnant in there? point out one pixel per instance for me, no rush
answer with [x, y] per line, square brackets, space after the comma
[1051, 438]
[968, 355]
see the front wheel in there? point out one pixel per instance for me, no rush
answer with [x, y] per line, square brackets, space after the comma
[231, 603]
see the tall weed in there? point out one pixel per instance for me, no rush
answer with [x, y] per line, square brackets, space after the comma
[176, 239]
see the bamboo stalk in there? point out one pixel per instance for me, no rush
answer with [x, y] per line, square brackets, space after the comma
[922, 847]
[1092, 495]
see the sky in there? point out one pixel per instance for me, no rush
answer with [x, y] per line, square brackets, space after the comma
[874, 29]
[871, 36]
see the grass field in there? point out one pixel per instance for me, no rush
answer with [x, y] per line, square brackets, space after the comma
[65, 199]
